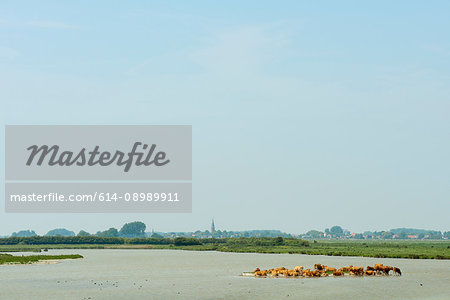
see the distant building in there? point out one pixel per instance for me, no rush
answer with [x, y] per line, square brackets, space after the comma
[213, 228]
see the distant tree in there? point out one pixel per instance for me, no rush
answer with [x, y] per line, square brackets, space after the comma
[24, 233]
[415, 231]
[279, 240]
[403, 235]
[315, 233]
[337, 230]
[386, 235]
[60, 232]
[112, 232]
[327, 231]
[359, 236]
[83, 233]
[183, 241]
[437, 235]
[156, 235]
[133, 229]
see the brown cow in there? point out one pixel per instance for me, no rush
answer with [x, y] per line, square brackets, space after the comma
[319, 267]
[357, 271]
[259, 273]
[293, 273]
[386, 270]
[346, 269]
[330, 269]
[338, 273]
[379, 268]
[317, 273]
[397, 271]
[298, 268]
[314, 273]
[369, 268]
[370, 273]
[256, 270]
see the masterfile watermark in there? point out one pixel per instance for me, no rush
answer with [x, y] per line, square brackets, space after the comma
[137, 168]
[90, 158]
[56, 152]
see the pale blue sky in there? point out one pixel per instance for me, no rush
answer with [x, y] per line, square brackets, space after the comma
[305, 115]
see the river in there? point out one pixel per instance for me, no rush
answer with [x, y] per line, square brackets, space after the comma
[173, 274]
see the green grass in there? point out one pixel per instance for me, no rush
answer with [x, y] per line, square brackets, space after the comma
[39, 248]
[366, 248]
[379, 249]
[383, 249]
[15, 248]
[11, 259]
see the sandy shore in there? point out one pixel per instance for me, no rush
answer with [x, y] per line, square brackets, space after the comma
[39, 262]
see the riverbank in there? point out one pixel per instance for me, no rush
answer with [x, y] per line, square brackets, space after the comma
[8, 259]
[383, 249]
[174, 274]
[364, 248]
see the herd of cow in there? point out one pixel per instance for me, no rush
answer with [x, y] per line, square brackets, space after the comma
[322, 271]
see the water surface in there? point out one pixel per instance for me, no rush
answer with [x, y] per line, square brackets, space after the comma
[173, 274]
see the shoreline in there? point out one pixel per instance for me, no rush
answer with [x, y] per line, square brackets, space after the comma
[9, 259]
[430, 250]
[39, 262]
[134, 247]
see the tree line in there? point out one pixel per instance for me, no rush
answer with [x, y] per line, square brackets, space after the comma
[128, 230]
[178, 241]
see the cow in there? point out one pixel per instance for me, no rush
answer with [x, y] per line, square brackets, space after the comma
[370, 273]
[397, 271]
[298, 268]
[338, 273]
[259, 273]
[346, 269]
[308, 273]
[379, 268]
[358, 271]
[329, 269]
[386, 270]
[293, 273]
[319, 267]
[256, 270]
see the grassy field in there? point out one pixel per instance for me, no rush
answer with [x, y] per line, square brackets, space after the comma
[380, 249]
[10, 259]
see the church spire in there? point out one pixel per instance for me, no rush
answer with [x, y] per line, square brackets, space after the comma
[213, 228]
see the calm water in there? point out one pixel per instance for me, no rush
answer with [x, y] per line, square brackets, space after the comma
[167, 274]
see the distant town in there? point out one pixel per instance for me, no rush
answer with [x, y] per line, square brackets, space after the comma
[138, 230]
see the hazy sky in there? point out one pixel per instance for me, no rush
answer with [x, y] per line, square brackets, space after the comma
[305, 115]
